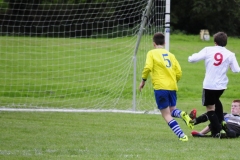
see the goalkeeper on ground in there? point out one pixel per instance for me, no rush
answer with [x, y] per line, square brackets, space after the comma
[231, 124]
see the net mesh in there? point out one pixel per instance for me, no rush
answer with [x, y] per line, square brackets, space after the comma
[64, 54]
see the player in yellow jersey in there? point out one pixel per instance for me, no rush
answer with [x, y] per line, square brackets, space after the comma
[165, 73]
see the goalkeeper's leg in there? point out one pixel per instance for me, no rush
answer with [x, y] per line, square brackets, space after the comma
[200, 119]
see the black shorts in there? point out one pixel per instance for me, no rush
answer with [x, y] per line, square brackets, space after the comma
[234, 127]
[210, 97]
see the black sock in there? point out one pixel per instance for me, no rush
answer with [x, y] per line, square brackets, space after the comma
[215, 126]
[201, 119]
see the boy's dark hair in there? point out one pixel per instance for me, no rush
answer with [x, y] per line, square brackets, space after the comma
[220, 38]
[159, 38]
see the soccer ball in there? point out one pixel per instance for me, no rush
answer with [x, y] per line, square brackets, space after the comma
[206, 37]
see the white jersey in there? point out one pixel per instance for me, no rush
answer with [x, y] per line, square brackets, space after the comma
[217, 61]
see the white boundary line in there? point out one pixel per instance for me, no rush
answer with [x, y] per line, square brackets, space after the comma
[74, 110]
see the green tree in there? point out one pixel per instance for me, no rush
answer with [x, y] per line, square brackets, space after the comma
[218, 15]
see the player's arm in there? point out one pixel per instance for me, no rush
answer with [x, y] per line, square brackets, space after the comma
[234, 64]
[205, 130]
[142, 84]
[146, 70]
[197, 56]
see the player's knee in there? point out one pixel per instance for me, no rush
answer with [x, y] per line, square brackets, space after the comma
[231, 134]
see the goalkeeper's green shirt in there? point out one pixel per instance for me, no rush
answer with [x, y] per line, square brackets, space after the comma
[164, 69]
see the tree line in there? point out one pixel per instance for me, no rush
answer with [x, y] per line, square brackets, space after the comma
[217, 15]
[187, 16]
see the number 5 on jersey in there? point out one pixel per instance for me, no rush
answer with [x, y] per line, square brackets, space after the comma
[165, 57]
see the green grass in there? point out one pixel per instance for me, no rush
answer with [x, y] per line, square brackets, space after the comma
[100, 136]
[94, 73]
[52, 72]
[45, 72]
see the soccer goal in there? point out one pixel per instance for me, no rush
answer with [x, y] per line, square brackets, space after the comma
[85, 55]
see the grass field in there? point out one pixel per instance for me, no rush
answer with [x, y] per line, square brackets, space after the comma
[93, 73]
[55, 135]
[101, 136]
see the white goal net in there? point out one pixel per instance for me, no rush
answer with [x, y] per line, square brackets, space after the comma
[76, 54]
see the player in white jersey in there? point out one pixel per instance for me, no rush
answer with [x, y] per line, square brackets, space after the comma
[218, 60]
[231, 125]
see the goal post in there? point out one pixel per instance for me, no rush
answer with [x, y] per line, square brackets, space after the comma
[156, 18]
[140, 33]
[85, 55]
[167, 24]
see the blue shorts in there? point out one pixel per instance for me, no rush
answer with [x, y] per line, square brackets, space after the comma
[165, 98]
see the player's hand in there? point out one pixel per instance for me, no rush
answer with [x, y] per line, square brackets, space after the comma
[141, 85]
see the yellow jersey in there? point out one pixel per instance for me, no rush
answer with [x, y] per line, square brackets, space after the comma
[165, 69]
